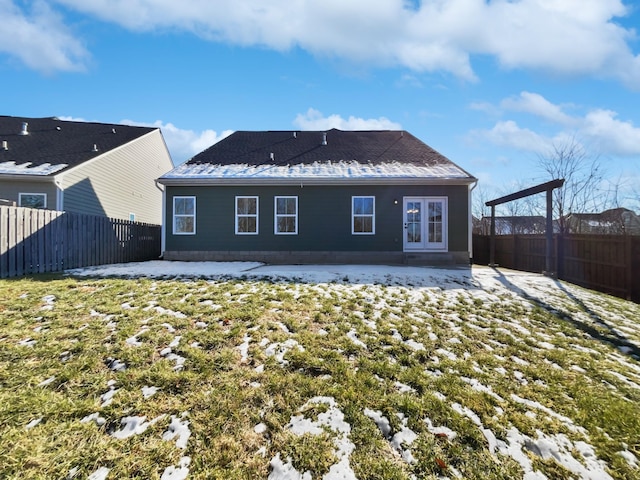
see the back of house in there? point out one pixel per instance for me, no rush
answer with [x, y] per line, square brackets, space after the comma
[318, 197]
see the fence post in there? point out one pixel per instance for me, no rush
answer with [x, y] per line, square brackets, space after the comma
[492, 242]
[628, 259]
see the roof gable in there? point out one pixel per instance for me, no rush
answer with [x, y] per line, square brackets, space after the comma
[51, 145]
[332, 155]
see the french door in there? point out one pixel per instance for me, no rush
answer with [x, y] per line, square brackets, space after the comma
[425, 223]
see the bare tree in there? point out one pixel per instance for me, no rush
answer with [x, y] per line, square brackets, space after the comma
[479, 210]
[583, 174]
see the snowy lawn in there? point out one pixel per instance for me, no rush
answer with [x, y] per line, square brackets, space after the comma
[168, 370]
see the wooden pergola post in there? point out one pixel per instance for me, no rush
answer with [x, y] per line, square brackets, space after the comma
[543, 187]
[549, 233]
[492, 240]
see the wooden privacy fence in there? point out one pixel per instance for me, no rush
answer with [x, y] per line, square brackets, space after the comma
[607, 263]
[39, 241]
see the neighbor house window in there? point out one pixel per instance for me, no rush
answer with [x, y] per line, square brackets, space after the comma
[132, 217]
[286, 216]
[32, 200]
[246, 215]
[184, 215]
[363, 215]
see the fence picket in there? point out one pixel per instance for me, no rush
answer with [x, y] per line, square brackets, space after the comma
[38, 241]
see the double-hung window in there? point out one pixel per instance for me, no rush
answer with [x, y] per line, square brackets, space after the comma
[286, 216]
[32, 200]
[184, 215]
[363, 215]
[246, 215]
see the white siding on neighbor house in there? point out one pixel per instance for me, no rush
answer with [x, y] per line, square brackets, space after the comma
[121, 182]
[11, 190]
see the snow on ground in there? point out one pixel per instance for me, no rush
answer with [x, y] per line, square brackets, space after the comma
[474, 284]
[333, 421]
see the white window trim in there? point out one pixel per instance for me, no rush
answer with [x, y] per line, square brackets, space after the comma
[256, 215]
[182, 215]
[372, 215]
[39, 194]
[276, 216]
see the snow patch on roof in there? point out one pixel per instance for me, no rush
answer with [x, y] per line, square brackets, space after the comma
[342, 169]
[10, 168]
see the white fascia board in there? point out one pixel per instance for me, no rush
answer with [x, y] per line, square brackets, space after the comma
[313, 181]
[28, 177]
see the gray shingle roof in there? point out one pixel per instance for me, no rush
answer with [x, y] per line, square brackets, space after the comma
[306, 147]
[60, 142]
[346, 157]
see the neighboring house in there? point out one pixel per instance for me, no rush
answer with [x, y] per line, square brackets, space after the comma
[512, 225]
[319, 197]
[82, 167]
[616, 221]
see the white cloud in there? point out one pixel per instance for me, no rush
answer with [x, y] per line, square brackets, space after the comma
[612, 135]
[183, 144]
[509, 134]
[536, 104]
[568, 37]
[600, 128]
[39, 39]
[407, 80]
[315, 120]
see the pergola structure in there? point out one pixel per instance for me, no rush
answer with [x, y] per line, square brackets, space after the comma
[543, 187]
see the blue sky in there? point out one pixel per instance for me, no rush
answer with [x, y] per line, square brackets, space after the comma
[490, 84]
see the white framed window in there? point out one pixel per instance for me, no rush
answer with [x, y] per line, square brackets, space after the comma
[246, 215]
[286, 216]
[363, 215]
[32, 200]
[184, 215]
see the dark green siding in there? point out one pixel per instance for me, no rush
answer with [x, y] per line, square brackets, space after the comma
[324, 216]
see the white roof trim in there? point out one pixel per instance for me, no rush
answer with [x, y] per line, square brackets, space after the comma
[318, 173]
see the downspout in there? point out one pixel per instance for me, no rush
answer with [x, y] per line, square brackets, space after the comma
[59, 195]
[163, 225]
[475, 184]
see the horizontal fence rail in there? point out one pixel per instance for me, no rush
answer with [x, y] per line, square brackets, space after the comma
[41, 241]
[606, 263]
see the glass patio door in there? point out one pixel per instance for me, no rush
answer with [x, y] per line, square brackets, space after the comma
[425, 223]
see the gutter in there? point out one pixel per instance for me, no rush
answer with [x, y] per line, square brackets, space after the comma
[59, 195]
[317, 181]
[27, 176]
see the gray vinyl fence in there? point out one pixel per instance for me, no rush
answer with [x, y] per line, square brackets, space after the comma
[39, 241]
